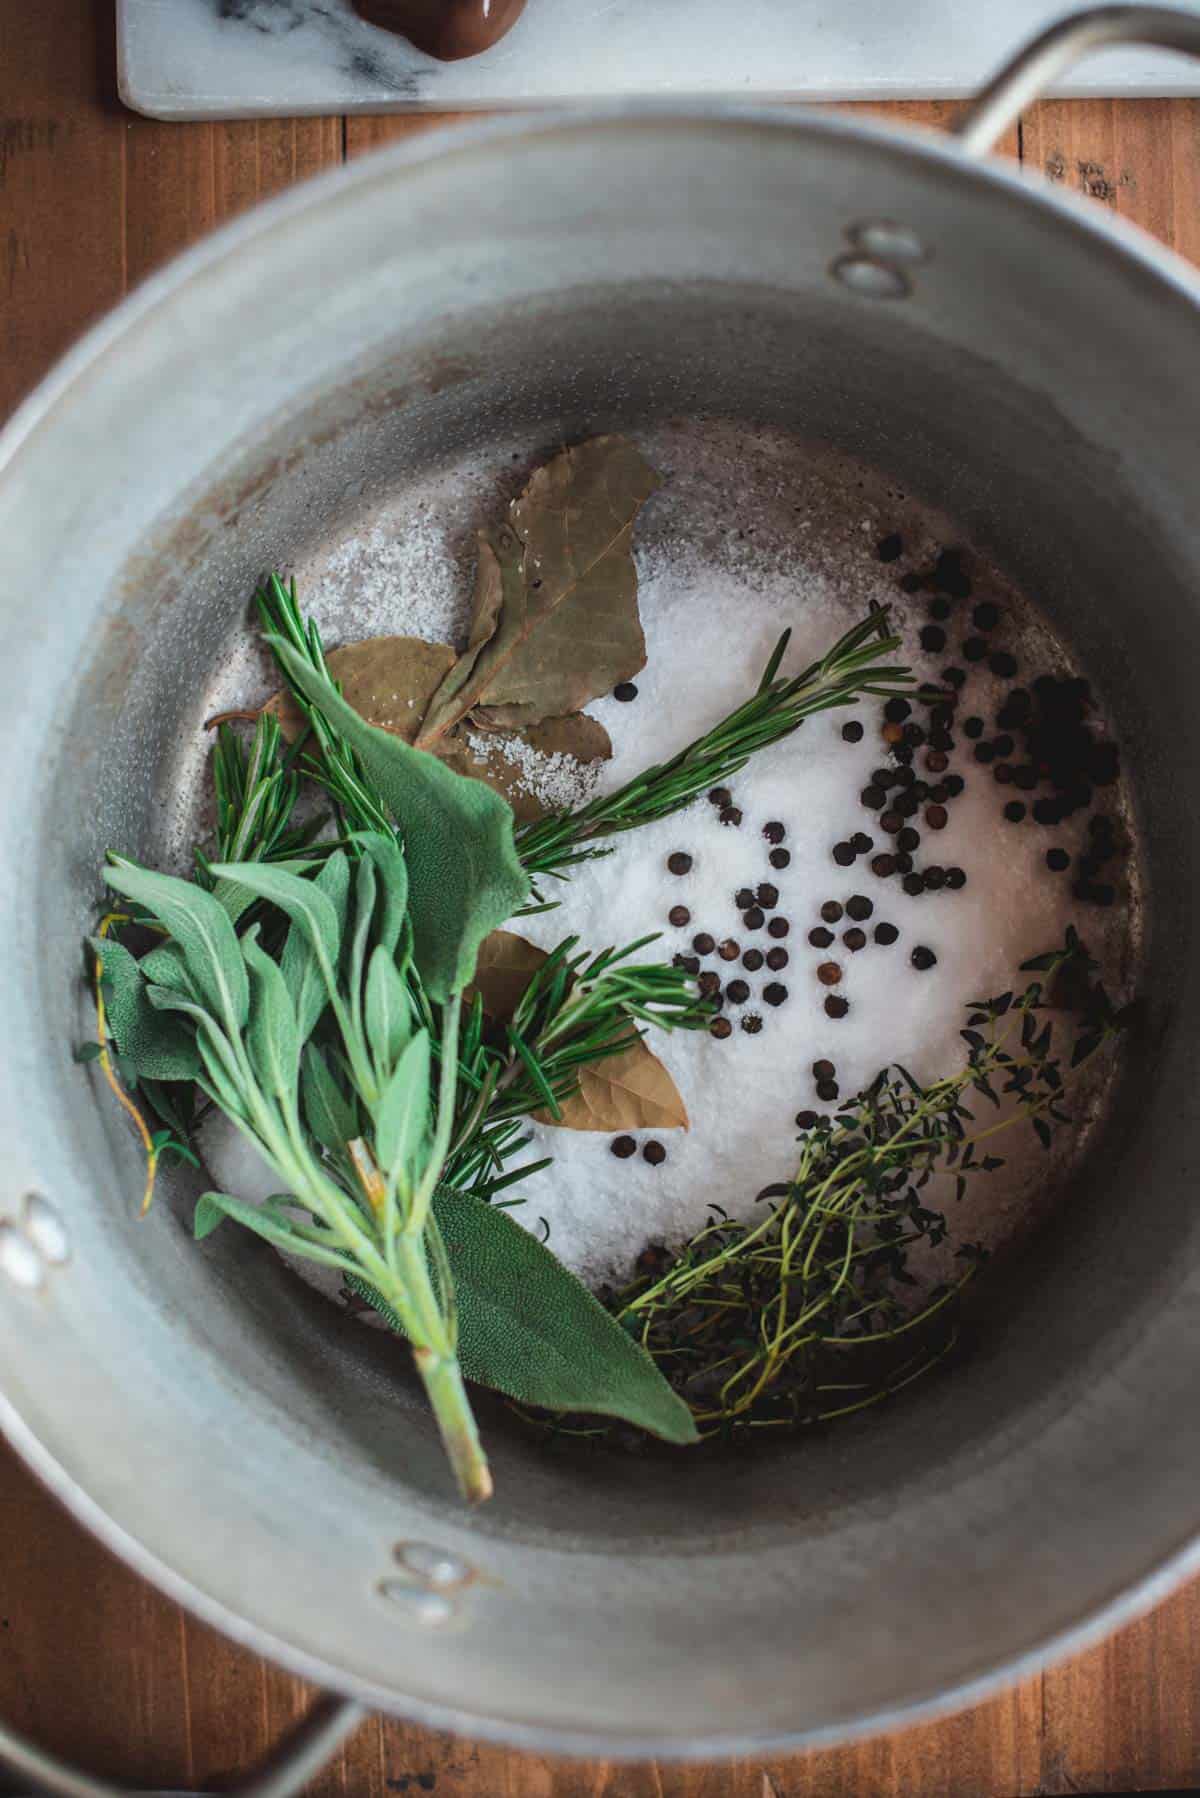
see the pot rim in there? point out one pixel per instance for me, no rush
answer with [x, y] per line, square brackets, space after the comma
[1119, 239]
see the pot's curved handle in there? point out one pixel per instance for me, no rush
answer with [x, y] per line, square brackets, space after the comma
[1056, 49]
[290, 1765]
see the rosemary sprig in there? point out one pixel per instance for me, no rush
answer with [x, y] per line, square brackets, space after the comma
[760, 1324]
[851, 669]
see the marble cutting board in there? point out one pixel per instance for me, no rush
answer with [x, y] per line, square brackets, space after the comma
[214, 59]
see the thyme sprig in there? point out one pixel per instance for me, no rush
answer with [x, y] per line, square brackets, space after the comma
[800, 1316]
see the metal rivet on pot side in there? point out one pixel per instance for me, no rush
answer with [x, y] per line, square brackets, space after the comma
[888, 241]
[436, 1566]
[46, 1230]
[420, 1604]
[19, 1258]
[872, 280]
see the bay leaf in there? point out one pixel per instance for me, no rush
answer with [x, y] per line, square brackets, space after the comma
[503, 969]
[561, 582]
[582, 738]
[631, 1090]
[388, 680]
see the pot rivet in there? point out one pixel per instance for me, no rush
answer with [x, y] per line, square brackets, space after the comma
[436, 1566]
[873, 280]
[422, 1606]
[887, 241]
[45, 1230]
[19, 1259]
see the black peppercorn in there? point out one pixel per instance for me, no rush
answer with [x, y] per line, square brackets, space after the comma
[654, 1153]
[703, 944]
[955, 878]
[709, 983]
[778, 927]
[1003, 773]
[1003, 663]
[767, 895]
[861, 843]
[829, 973]
[1047, 811]
[779, 858]
[973, 727]
[689, 963]
[888, 549]
[859, 907]
[820, 938]
[873, 797]
[738, 991]
[1003, 745]
[827, 1091]
[854, 939]
[1026, 778]
[937, 817]
[897, 710]
[940, 610]
[935, 879]
[914, 884]
[774, 831]
[729, 814]
[729, 950]
[984, 753]
[806, 1120]
[885, 934]
[752, 918]
[625, 690]
[823, 1070]
[831, 911]
[721, 796]
[890, 822]
[743, 898]
[752, 1024]
[679, 915]
[954, 785]
[777, 959]
[933, 638]
[910, 583]
[974, 649]
[843, 854]
[1057, 860]
[753, 959]
[923, 958]
[904, 863]
[720, 1028]
[852, 732]
[836, 1006]
[883, 865]
[775, 993]
[679, 863]
[623, 1147]
[908, 840]
[986, 616]
[954, 677]
[1014, 811]
[937, 761]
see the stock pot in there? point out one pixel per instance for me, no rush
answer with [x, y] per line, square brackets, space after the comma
[997, 346]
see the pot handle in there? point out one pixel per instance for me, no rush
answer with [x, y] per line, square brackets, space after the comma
[298, 1758]
[1048, 56]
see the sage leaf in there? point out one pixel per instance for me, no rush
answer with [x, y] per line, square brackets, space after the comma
[157, 1045]
[528, 1328]
[304, 902]
[560, 582]
[388, 858]
[402, 1116]
[272, 1036]
[212, 1208]
[329, 1111]
[299, 963]
[202, 933]
[464, 874]
[388, 1015]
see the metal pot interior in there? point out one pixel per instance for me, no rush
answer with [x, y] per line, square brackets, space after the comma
[234, 1434]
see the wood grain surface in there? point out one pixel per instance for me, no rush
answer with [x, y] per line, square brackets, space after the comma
[92, 1661]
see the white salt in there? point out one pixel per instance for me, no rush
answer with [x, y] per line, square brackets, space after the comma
[558, 781]
[751, 534]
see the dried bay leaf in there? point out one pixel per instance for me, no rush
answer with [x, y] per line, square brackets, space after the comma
[628, 1091]
[631, 1090]
[388, 680]
[505, 965]
[560, 582]
[582, 738]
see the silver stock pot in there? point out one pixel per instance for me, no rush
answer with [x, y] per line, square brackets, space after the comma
[1014, 355]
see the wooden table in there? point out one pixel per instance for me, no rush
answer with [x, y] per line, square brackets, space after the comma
[93, 1662]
